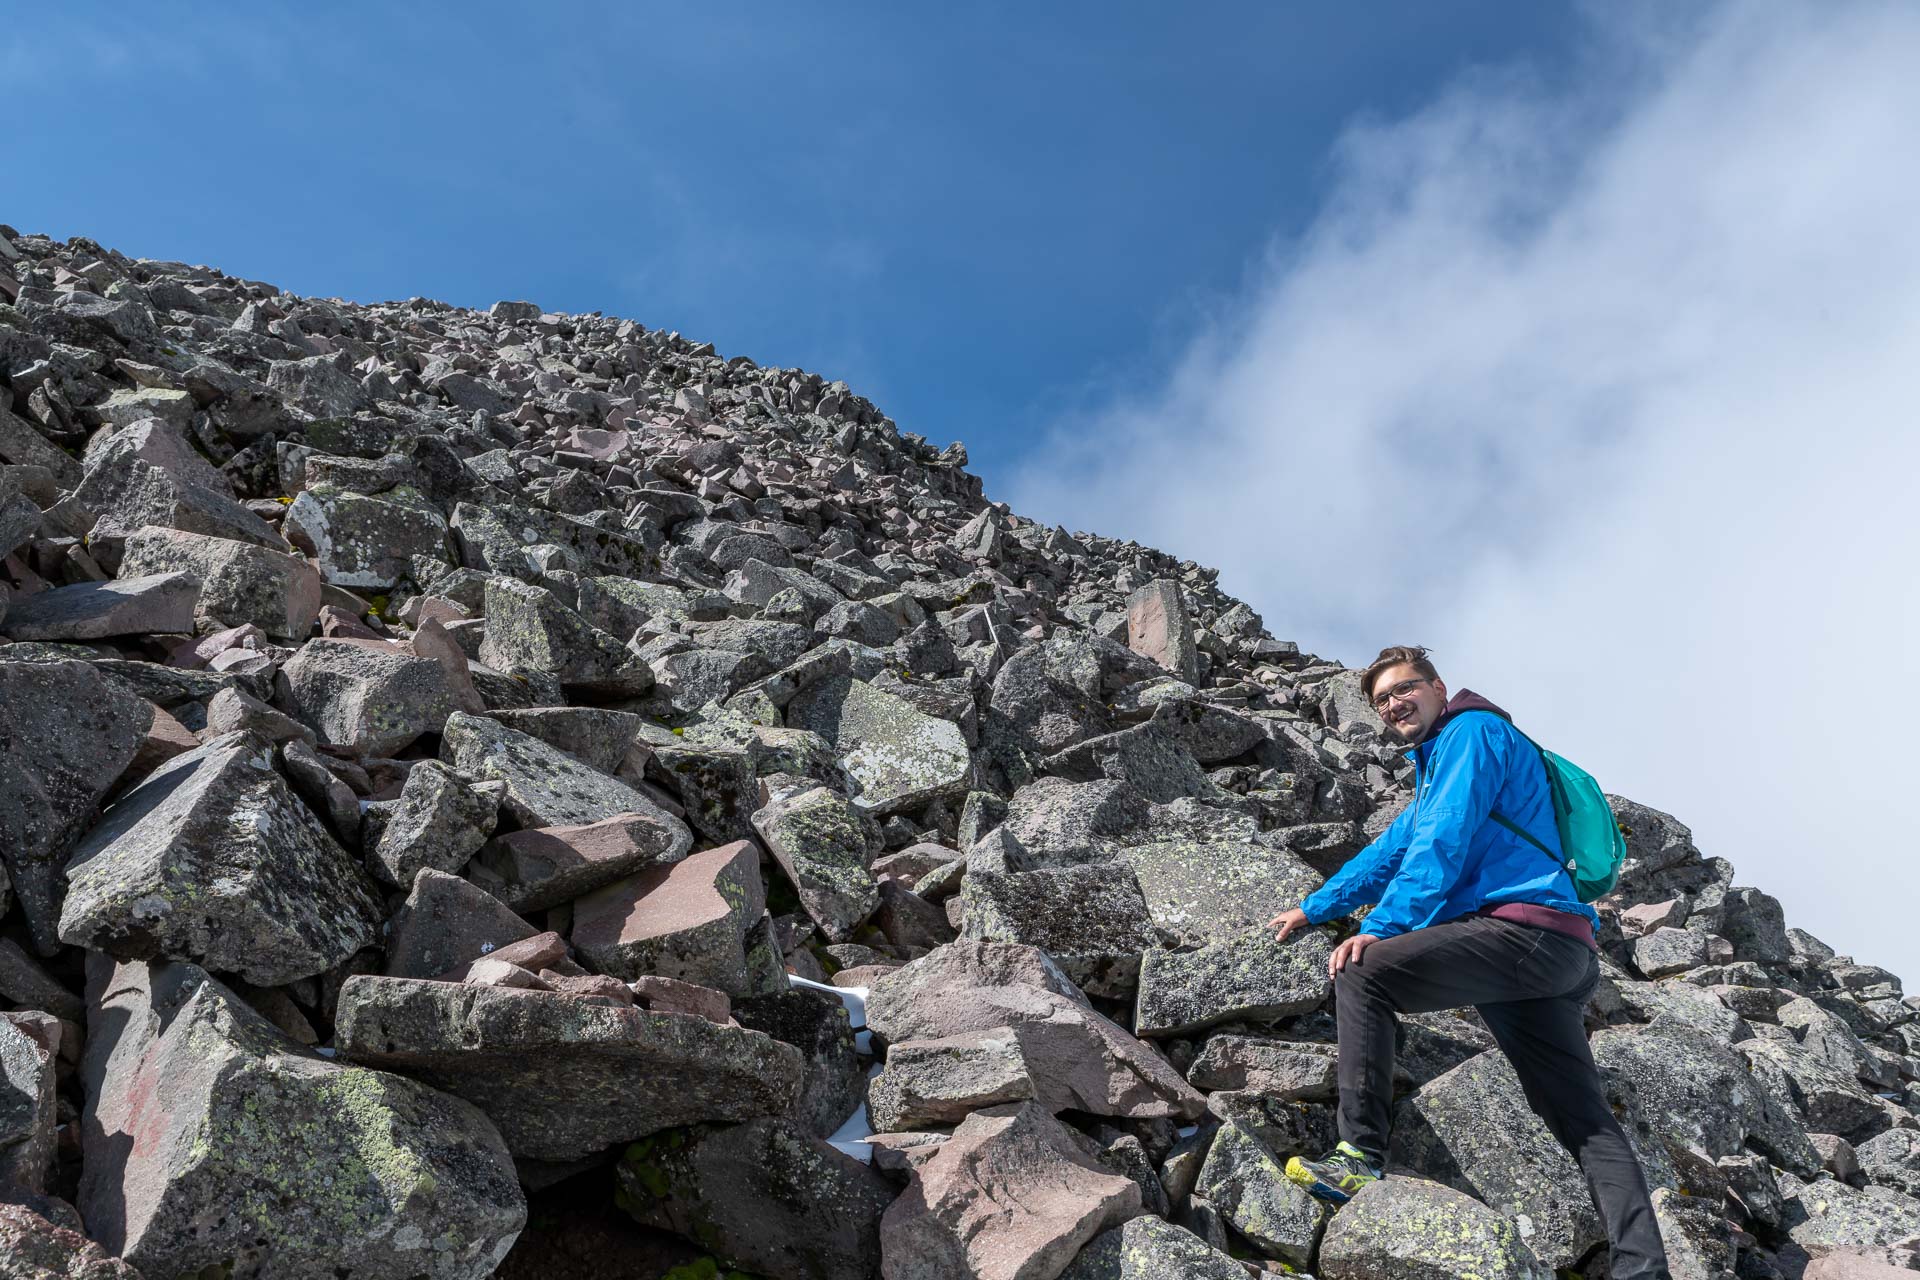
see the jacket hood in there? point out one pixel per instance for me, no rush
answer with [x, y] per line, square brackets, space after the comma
[1465, 700]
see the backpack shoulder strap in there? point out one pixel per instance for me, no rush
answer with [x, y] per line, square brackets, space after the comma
[1522, 832]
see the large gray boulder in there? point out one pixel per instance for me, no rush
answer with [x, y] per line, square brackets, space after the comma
[66, 734]
[1149, 1248]
[1825, 1216]
[1411, 1229]
[1074, 1056]
[156, 604]
[823, 844]
[564, 1077]
[1246, 1181]
[530, 629]
[362, 542]
[215, 1145]
[1091, 919]
[213, 859]
[439, 821]
[363, 695]
[1243, 976]
[546, 787]
[901, 757]
[240, 583]
[1013, 1195]
[1201, 891]
[26, 1108]
[765, 1196]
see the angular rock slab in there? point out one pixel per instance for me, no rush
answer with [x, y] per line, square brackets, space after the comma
[1206, 891]
[687, 920]
[1825, 1217]
[1091, 919]
[532, 870]
[1013, 1195]
[364, 696]
[438, 822]
[563, 1077]
[363, 542]
[26, 1109]
[818, 1025]
[765, 1196]
[1245, 976]
[823, 846]
[530, 629]
[901, 756]
[1079, 1059]
[66, 732]
[1248, 1184]
[1472, 1129]
[240, 583]
[216, 1145]
[546, 787]
[1412, 1229]
[1159, 628]
[1149, 1248]
[445, 923]
[213, 859]
[159, 603]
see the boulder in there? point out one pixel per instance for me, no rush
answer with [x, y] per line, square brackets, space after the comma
[158, 603]
[1826, 1216]
[26, 1108]
[823, 845]
[364, 696]
[445, 923]
[546, 866]
[1247, 1182]
[240, 583]
[1411, 1229]
[33, 1247]
[901, 757]
[546, 787]
[66, 733]
[530, 629]
[686, 920]
[1273, 1068]
[1149, 1248]
[1201, 891]
[439, 821]
[1667, 951]
[1091, 919]
[213, 859]
[817, 1024]
[765, 1196]
[1892, 1159]
[561, 1076]
[1244, 976]
[216, 1145]
[1160, 629]
[362, 542]
[716, 783]
[1013, 1195]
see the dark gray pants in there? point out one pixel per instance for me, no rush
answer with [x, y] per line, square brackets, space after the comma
[1530, 986]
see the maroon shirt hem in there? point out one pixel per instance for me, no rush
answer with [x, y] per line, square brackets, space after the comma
[1539, 917]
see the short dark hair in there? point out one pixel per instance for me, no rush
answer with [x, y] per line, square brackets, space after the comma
[1399, 655]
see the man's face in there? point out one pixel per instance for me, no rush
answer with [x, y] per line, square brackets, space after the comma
[1408, 701]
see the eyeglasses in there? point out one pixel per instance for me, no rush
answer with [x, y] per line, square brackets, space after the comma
[1402, 691]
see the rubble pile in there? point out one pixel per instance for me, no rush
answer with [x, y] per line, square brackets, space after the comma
[445, 755]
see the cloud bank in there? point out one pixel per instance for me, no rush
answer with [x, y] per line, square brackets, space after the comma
[1609, 392]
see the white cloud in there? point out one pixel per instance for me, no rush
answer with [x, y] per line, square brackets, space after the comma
[1607, 391]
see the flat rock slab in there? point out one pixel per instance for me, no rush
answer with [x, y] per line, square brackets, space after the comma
[1091, 919]
[216, 1145]
[364, 695]
[901, 756]
[1273, 1068]
[687, 920]
[213, 859]
[240, 583]
[1076, 1057]
[362, 542]
[157, 603]
[1201, 891]
[1159, 628]
[1411, 1229]
[563, 1077]
[1248, 976]
[1149, 1248]
[66, 732]
[765, 1196]
[533, 870]
[546, 787]
[1013, 1195]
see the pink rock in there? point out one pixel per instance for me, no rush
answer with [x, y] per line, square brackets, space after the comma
[1012, 1195]
[1648, 916]
[686, 920]
[1853, 1266]
[195, 654]
[667, 995]
[1159, 628]
[545, 866]
[431, 640]
[491, 971]
[596, 444]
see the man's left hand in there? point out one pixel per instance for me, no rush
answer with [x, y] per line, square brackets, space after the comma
[1349, 950]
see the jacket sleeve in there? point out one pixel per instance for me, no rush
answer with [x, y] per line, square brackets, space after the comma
[1469, 767]
[1365, 875]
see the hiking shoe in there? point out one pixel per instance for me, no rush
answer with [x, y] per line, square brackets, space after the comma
[1335, 1176]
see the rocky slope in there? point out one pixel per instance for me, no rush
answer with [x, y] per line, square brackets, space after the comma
[434, 745]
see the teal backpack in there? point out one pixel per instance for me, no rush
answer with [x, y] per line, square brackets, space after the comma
[1592, 839]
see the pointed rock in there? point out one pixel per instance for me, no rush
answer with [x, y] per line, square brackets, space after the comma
[687, 920]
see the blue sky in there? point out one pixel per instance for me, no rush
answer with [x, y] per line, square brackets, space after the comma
[1573, 341]
[979, 215]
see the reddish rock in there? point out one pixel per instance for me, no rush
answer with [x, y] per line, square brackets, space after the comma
[543, 867]
[686, 920]
[668, 995]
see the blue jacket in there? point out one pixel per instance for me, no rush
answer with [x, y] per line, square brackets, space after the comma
[1444, 857]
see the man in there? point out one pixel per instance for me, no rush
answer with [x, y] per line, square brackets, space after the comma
[1470, 913]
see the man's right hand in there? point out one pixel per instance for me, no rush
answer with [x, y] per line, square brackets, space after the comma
[1287, 923]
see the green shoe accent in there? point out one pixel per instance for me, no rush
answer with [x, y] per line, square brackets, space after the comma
[1335, 1176]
